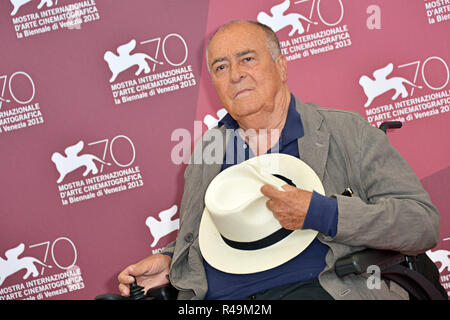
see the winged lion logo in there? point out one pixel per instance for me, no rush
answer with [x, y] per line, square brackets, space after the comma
[126, 60]
[73, 161]
[280, 20]
[13, 264]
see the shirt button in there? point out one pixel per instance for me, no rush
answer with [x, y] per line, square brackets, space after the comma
[189, 237]
[244, 146]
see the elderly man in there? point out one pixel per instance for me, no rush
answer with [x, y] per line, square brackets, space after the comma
[389, 209]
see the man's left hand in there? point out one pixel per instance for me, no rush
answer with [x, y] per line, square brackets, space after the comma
[290, 206]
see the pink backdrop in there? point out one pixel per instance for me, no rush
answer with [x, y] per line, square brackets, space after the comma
[68, 73]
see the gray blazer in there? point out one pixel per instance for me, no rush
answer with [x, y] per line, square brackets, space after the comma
[390, 209]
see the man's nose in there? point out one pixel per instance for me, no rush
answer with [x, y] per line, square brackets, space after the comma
[237, 73]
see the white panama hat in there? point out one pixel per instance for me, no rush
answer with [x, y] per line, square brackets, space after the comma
[238, 233]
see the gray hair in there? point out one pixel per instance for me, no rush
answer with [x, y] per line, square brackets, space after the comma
[272, 41]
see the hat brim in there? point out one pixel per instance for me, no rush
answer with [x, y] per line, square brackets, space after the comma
[227, 259]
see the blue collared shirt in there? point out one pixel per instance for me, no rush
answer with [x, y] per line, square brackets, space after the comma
[322, 216]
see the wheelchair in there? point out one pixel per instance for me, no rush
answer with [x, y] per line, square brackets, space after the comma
[418, 275]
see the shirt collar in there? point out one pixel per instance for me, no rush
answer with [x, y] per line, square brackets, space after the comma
[293, 128]
[229, 122]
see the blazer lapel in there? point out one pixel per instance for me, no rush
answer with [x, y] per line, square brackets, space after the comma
[313, 146]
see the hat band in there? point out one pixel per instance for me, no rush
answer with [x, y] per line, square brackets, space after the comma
[271, 239]
[265, 242]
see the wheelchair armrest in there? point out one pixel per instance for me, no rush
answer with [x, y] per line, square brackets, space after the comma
[164, 292]
[358, 262]
[396, 267]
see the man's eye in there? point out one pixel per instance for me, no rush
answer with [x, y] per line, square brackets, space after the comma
[248, 59]
[221, 67]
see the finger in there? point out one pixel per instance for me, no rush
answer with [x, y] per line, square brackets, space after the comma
[271, 192]
[289, 187]
[125, 276]
[271, 205]
[124, 290]
[278, 207]
[291, 225]
[289, 221]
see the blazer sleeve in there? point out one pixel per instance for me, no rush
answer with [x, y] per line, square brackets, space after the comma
[169, 249]
[396, 213]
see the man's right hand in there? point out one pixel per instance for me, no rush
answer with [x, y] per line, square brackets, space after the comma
[149, 272]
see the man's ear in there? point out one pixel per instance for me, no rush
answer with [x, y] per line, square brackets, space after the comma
[281, 63]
